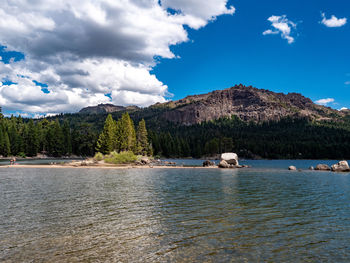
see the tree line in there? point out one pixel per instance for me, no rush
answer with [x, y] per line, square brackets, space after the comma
[121, 136]
[84, 135]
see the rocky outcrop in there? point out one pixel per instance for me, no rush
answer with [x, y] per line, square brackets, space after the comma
[230, 158]
[247, 103]
[322, 167]
[292, 168]
[105, 108]
[342, 166]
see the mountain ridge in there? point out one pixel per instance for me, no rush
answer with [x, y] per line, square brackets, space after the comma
[246, 102]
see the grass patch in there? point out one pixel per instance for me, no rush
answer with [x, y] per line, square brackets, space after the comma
[121, 158]
[98, 157]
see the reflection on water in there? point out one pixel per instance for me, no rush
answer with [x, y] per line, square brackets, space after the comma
[175, 215]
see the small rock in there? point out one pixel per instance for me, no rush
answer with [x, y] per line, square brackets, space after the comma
[311, 168]
[145, 160]
[292, 168]
[208, 163]
[322, 167]
[224, 164]
[342, 166]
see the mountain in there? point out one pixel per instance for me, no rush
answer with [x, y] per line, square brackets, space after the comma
[105, 108]
[254, 123]
[247, 103]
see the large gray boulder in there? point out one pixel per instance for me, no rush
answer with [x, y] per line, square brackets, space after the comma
[322, 167]
[342, 166]
[230, 158]
[223, 164]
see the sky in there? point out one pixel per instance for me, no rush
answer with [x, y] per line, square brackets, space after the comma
[61, 56]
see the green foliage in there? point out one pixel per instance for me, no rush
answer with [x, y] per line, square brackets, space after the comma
[121, 158]
[143, 147]
[98, 156]
[126, 136]
[107, 140]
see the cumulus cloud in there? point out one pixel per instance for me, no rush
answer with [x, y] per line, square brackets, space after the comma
[324, 101]
[281, 25]
[90, 52]
[333, 21]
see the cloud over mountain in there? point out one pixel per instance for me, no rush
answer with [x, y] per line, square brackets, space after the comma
[88, 51]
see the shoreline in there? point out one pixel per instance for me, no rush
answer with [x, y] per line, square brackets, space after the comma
[57, 166]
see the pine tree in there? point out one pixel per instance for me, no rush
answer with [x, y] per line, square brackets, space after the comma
[55, 139]
[7, 146]
[106, 142]
[142, 138]
[32, 139]
[67, 138]
[126, 135]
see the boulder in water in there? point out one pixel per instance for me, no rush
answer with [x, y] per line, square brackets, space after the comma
[322, 167]
[292, 168]
[342, 166]
[224, 164]
[230, 158]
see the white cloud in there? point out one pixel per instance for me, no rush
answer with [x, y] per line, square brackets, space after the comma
[333, 21]
[324, 101]
[283, 26]
[344, 108]
[85, 49]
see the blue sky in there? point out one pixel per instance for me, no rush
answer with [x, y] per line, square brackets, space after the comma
[233, 50]
[75, 54]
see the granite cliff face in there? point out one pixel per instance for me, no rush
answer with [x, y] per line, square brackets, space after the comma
[105, 108]
[247, 103]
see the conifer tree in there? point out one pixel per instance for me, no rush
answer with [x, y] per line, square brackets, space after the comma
[106, 142]
[67, 138]
[126, 135]
[32, 139]
[142, 139]
[7, 146]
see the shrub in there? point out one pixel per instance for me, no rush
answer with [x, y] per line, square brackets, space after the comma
[122, 157]
[21, 155]
[98, 156]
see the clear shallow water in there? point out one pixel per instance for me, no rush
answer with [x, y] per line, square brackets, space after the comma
[37, 161]
[174, 215]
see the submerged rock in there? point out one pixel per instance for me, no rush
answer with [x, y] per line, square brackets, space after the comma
[292, 168]
[322, 167]
[230, 158]
[342, 166]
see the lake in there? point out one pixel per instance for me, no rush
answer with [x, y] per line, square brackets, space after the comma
[262, 214]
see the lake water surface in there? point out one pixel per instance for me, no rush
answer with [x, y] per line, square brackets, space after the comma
[262, 214]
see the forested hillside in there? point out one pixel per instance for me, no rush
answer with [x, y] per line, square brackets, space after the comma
[254, 123]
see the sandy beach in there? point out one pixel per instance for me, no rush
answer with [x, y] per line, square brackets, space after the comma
[58, 166]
